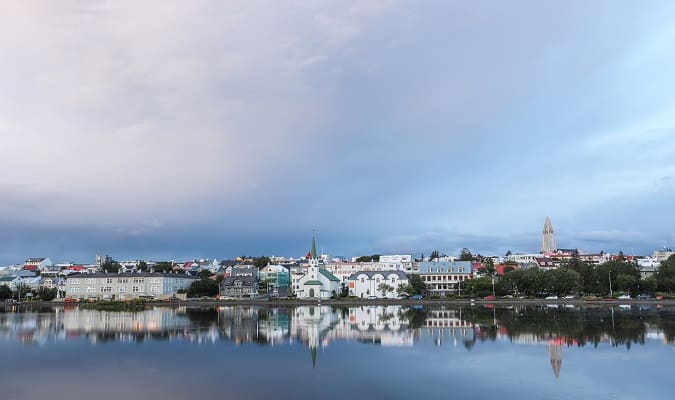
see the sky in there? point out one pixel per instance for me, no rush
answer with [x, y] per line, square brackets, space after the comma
[183, 130]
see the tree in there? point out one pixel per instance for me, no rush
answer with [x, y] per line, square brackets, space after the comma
[143, 266]
[5, 292]
[434, 255]
[262, 286]
[385, 288]
[405, 289]
[163, 266]
[207, 273]
[203, 287]
[261, 262]
[418, 286]
[665, 275]
[45, 294]
[508, 253]
[373, 258]
[488, 267]
[465, 255]
[480, 287]
[648, 285]
[110, 267]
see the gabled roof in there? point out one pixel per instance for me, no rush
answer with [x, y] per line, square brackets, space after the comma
[246, 280]
[328, 275]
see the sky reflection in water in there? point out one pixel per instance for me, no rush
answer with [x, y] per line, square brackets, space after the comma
[336, 353]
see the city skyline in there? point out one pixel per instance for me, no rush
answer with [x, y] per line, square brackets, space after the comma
[206, 130]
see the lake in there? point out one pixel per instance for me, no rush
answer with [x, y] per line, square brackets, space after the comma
[324, 352]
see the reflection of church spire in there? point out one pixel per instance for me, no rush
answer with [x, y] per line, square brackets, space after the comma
[313, 351]
[555, 353]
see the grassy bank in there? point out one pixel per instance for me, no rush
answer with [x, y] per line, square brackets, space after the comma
[104, 305]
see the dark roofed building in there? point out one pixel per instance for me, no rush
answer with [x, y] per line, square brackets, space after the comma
[239, 287]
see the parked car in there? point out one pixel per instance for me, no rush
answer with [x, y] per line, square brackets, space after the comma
[551, 297]
[402, 296]
[644, 296]
[417, 297]
[489, 297]
[624, 297]
[569, 297]
[371, 297]
[508, 296]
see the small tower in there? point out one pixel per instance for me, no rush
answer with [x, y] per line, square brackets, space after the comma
[548, 240]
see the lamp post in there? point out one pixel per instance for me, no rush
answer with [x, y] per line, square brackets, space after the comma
[611, 293]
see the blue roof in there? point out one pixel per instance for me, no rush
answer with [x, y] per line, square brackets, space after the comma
[445, 267]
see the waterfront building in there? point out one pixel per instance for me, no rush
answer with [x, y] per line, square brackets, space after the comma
[647, 266]
[317, 282]
[443, 277]
[343, 270]
[275, 276]
[126, 286]
[548, 244]
[369, 283]
[663, 255]
[239, 287]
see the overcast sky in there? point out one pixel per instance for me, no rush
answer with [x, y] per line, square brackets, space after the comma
[191, 129]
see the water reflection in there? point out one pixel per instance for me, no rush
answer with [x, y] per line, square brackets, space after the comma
[317, 327]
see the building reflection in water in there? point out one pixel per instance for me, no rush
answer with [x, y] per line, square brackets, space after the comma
[317, 326]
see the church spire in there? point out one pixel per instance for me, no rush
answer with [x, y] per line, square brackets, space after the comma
[548, 244]
[312, 252]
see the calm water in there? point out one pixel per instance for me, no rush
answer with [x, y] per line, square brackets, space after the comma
[519, 352]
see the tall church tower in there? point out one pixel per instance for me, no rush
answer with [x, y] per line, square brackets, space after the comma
[548, 240]
[313, 259]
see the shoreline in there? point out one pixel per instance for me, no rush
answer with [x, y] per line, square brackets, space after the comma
[374, 302]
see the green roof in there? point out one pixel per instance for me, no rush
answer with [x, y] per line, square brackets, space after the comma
[7, 278]
[314, 282]
[328, 275]
[312, 252]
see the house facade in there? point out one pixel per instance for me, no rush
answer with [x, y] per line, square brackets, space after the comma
[275, 276]
[126, 286]
[238, 287]
[37, 263]
[367, 283]
[444, 277]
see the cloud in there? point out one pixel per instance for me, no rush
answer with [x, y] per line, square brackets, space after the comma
[197, 127]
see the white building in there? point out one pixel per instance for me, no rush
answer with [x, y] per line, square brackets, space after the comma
[363, 284]
[316, 283]
[444, 278]
[343, 270]
[648, 266]
[126, 286]
[37, 263]
[396, 258]
[663, 255]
